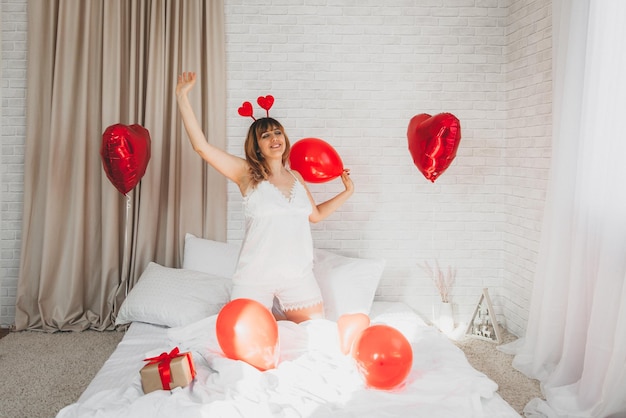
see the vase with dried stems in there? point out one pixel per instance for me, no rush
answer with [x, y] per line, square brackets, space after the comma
[443, 282]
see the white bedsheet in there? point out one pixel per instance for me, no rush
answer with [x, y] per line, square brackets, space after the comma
[313, 378]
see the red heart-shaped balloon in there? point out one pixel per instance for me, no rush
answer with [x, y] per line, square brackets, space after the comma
[315, 160]
[265, 102]
[125, 153]
[433, 142]
[245, 109]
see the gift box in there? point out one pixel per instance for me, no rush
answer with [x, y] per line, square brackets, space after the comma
[167, 371]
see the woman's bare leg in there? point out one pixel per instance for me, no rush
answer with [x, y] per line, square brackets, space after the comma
[304, 314]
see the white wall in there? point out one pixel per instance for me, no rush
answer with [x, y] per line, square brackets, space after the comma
[13, 124]
[528, 149]
[354, 73]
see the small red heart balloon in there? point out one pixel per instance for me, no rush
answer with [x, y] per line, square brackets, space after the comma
[125, 153]
[433, 142]
[315, 160]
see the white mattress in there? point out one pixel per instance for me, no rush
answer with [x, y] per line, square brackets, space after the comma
[313, 378]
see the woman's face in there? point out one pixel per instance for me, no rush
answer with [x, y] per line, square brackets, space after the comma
[272, 143]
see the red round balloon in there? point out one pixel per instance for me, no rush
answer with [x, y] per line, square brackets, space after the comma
[316, 160]
[383, 355]
[433, 142]
[247, 330]
[125, 153]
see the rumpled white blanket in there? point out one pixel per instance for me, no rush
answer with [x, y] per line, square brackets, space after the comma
[313, 379]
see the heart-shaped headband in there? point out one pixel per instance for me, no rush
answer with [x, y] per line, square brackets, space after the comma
[265, 103]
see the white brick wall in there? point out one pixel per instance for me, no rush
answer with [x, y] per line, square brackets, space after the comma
[13, 122]
[528, 150]
[354, 74]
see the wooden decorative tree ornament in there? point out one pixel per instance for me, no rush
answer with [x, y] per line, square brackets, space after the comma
[484, 324]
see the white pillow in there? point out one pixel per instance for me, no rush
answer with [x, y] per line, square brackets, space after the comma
[212, 257]
[348, 284]
[173, 297]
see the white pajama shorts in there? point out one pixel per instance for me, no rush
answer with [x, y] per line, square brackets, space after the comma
[292, 294]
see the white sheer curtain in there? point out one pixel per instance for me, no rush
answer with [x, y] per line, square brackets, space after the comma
[575, 343]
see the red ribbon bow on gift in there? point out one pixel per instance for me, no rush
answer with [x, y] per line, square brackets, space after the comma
[164, 360]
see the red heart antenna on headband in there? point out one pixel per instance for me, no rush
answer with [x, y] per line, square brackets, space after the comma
[266, 103]
[246, 110]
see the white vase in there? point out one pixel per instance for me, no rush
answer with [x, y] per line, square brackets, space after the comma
[446, 320]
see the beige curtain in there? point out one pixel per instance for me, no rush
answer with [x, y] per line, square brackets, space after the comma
[92, 64]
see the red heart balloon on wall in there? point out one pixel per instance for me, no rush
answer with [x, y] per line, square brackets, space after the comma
[433, 141]
[315, 160]
[125, 153]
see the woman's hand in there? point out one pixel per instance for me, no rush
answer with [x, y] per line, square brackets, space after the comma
[325, 209]
[347, 181]
[185, 82]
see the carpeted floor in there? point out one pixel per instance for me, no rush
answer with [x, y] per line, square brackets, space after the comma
[42, 373]
[513, 386]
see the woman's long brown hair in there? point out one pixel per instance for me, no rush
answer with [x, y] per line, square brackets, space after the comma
[259, 168]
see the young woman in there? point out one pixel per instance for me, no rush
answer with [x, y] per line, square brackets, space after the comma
[276, 258]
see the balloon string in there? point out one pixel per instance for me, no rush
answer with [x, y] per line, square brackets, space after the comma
[432, 233]
[432, 242]
[432, 247]
[125, 248]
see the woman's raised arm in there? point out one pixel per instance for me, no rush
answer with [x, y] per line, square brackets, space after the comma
[233, 167]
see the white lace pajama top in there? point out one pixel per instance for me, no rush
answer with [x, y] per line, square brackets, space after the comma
[277, 245]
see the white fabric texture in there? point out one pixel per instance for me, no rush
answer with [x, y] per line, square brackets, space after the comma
[348, 284]
[208, 256]
[312, 379]
[277, 245]
[575, 342]
[173, 297]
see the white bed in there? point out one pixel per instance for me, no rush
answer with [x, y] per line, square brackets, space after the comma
[313, 378]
